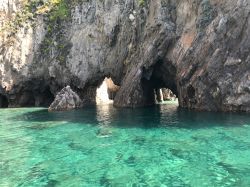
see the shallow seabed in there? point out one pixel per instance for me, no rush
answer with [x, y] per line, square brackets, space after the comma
[104, 146]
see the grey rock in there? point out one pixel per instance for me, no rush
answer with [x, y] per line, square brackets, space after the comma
[66, 99]
[197, 48]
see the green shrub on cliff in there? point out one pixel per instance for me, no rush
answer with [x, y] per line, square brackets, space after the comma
[141, 2]
[60, 11]
[53, 9]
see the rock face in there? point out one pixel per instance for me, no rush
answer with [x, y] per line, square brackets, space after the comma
[66, 99]
[168, 95]
[200, 49]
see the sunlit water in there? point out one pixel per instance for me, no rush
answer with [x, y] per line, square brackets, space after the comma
[104, 146]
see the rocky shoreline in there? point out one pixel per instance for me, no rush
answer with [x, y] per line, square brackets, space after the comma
[199, 49]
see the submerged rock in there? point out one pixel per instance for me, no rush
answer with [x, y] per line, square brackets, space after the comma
[104, 132]
[66, 99]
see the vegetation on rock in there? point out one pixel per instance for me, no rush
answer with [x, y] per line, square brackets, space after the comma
[141, 2]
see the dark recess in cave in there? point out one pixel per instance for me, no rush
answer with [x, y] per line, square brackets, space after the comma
[4, 103]
[161, 75]
[148, 91]
[27, 99]
[111, 95]
[191, 92]
[38, 98]
[164, 76]
[48, 97]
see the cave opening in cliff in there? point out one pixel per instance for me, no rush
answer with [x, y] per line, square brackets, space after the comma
[161, 80]
[106, 92]
[4, 103]
[39, 97]
[46, 99]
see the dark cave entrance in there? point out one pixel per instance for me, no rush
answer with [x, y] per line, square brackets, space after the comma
[4, 103]
[40, 97]
[159, 83]
[45, 98]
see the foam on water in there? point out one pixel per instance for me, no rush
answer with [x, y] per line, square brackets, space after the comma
[104, 146]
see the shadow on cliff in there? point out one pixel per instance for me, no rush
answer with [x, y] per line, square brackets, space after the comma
[158, 116]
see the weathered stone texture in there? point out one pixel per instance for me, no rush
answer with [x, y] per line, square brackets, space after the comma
[66, 99]
[197, 48]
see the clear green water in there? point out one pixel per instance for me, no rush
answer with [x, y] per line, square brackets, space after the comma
[104, 146]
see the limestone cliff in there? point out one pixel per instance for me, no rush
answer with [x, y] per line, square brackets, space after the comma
[200, 49]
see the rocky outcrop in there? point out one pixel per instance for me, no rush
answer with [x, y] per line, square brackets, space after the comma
[164, 94]
[214, 73]
[66, 99]
[168, 95]
[197, 48]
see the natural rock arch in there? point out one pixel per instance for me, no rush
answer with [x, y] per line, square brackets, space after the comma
[161, 43]
[4, 103]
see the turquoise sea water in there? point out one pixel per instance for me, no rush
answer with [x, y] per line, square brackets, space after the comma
[104, 146]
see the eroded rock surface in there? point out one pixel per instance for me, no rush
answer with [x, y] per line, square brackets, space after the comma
[197, 48]
[66, 99]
